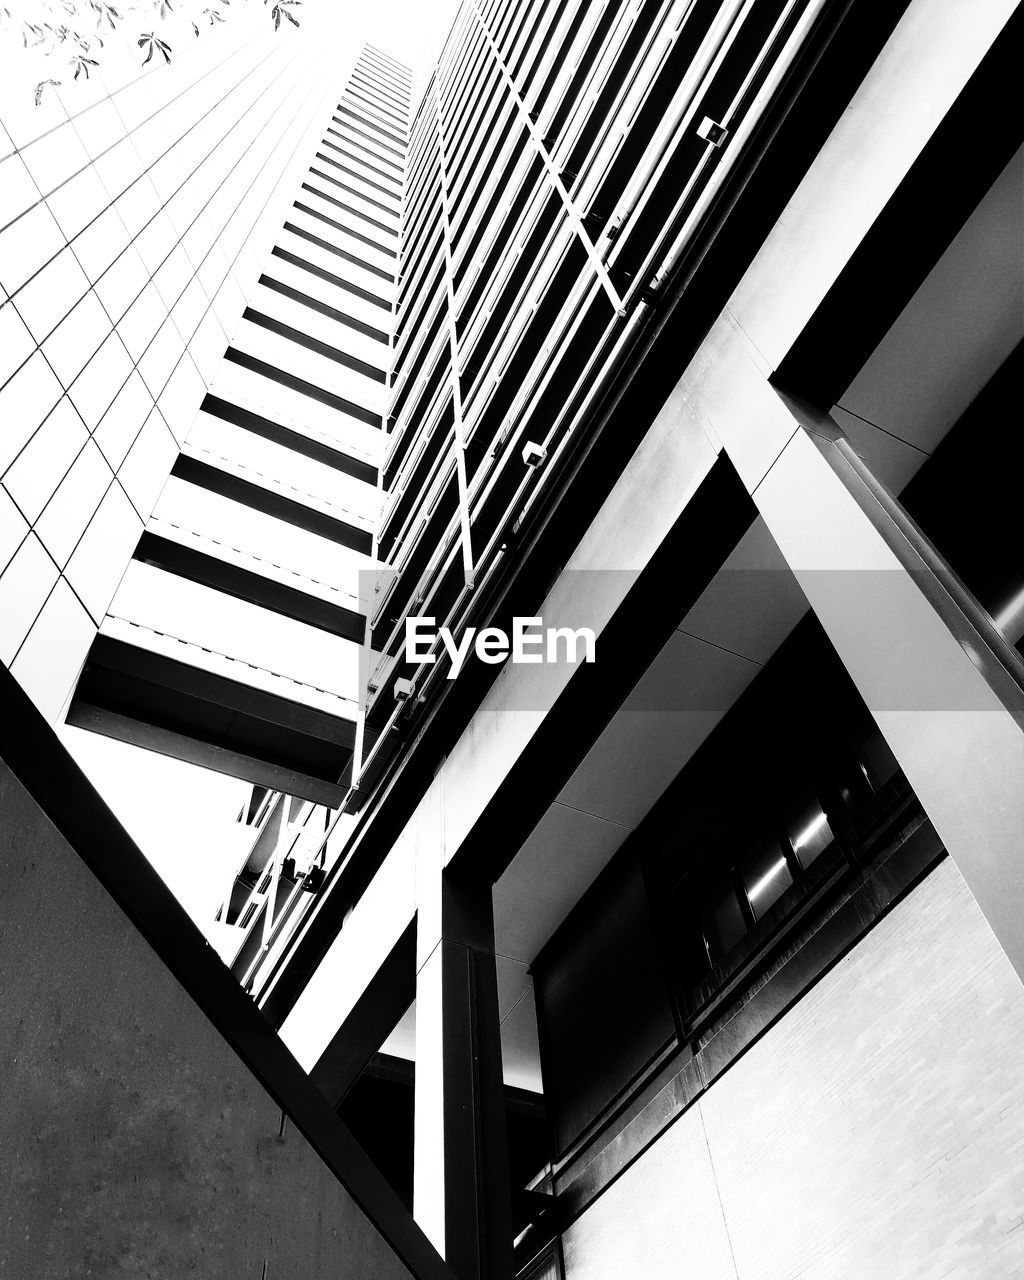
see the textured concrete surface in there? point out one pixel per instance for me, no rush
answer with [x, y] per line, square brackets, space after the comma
[876, 1131]
[133, 1141]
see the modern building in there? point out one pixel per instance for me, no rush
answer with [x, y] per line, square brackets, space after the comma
[233, 638]
[136, 208]
[704, 333]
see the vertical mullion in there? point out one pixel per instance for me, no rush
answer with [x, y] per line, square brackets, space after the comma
[596, 262]
[453, 343]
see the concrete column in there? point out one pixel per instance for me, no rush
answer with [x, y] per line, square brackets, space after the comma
[945, 688]
[934, 674]
[461, 1195]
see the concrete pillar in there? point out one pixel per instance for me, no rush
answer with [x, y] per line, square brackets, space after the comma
[935, 674]
[461, 1195]
[945, 688]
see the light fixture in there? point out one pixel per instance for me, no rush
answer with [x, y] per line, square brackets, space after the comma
[810, 831]
[759, 887]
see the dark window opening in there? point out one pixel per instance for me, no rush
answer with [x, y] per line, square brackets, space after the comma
[379, 1110]
[792, 806]
[966, 499]
[777, 810]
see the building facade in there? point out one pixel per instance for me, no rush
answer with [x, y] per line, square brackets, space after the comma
[234, 636]
[685, 352]
[704, 333]
[136, 207]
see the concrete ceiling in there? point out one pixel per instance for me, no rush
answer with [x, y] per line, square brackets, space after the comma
[718, 648]
[936, 357]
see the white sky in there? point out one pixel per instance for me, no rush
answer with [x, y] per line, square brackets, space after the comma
[182, 816]
[411, 31]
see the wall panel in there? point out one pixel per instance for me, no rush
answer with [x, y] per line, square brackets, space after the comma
[876, 1130]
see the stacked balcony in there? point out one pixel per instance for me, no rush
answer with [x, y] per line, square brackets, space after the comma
[235, 636]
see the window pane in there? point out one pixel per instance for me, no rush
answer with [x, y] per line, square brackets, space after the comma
[766, 876]
[877, 762]
[725, 924]
[808, 829]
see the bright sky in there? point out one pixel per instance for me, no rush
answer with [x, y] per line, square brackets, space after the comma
[181, 816]
[411, 31]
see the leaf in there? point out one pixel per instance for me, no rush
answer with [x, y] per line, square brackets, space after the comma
[81, 64]
[38, 95]
[195, 28]
[291, 18]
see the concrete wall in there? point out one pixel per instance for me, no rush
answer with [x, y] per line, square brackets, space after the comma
[877, 1130]
[133, 1141]
[133, 210]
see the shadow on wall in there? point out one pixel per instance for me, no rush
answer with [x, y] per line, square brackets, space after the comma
[135, 1139]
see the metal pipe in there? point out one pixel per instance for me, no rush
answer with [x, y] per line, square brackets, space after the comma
[778, 71]
[556, 182]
